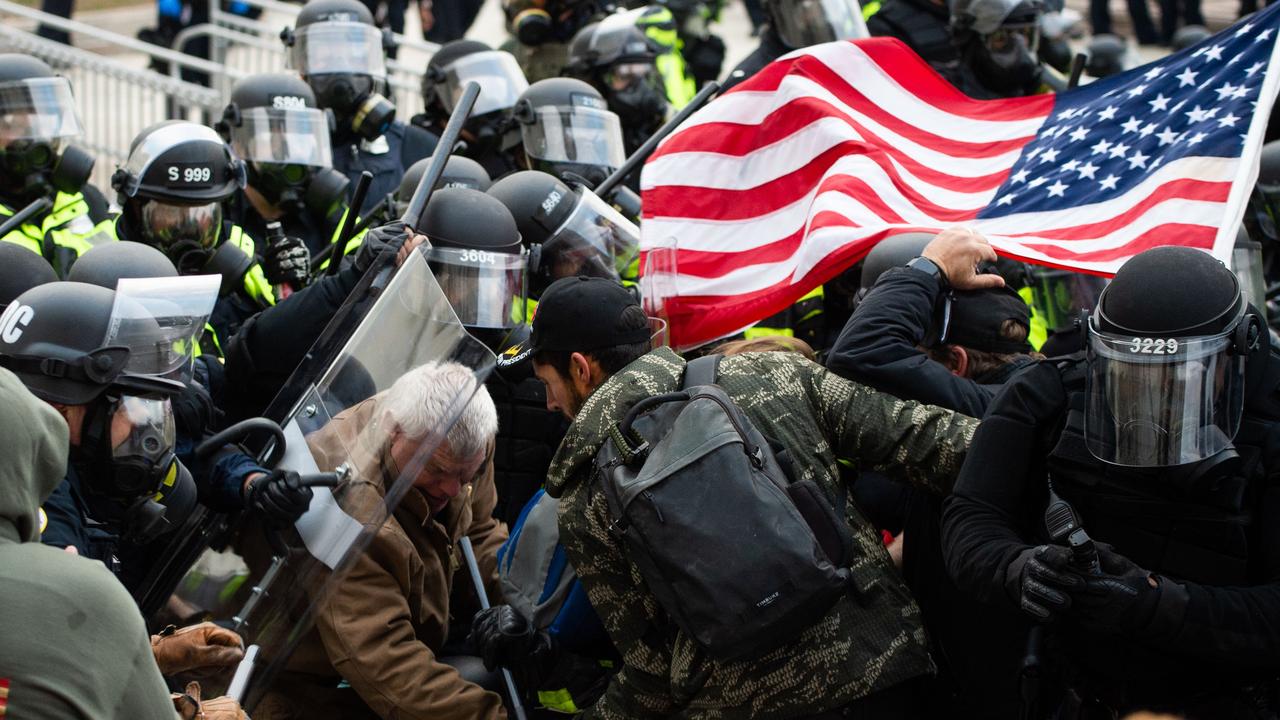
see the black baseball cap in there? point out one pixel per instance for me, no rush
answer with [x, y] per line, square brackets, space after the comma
[577, 314]
[973, 318]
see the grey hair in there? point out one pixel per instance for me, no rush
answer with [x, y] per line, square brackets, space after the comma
[421, 400]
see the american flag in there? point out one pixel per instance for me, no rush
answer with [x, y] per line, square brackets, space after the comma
[783, 183]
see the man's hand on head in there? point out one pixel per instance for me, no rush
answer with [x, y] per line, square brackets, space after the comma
[957, 252]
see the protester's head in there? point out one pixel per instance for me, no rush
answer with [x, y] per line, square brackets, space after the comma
[978, 332]
[585, 330]
[420, 403]
[771, 343]
[35, 457]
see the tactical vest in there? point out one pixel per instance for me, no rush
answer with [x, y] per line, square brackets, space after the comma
[1202, 531]
[528, 435]
[61, 234]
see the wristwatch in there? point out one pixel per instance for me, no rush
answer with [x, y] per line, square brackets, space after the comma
[929, 267]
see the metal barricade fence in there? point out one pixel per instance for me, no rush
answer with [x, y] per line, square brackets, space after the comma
[117, 96]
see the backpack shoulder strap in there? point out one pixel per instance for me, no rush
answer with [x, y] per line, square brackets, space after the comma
[701, 371]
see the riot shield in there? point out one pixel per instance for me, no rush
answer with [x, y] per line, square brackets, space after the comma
[269, 582]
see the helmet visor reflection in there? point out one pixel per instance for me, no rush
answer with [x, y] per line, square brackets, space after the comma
[167, 225]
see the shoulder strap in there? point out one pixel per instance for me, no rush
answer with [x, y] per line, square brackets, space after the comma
[701, 371]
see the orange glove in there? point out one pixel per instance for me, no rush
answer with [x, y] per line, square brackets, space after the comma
[205, 648]
[191, 707]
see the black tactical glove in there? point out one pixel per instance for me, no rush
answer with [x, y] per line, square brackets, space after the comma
[287, 261]
[504, 638]
[280, 497]
[1123, 598]
[382, 239]
[1040, 579]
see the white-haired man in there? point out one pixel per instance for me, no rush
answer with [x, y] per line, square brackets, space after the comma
[379, 642]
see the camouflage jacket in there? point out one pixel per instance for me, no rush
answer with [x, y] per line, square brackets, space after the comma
[870, 640]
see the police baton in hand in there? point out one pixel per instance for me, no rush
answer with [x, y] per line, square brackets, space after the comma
[469, 555]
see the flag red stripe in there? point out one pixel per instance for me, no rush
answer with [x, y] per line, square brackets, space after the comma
[1181, 189]
[915, 75]
[1196, 236]
[697, 202]
[738, 139]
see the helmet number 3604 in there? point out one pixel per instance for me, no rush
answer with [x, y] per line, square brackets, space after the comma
[1154, 346]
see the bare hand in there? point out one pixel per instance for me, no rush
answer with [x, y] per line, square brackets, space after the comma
[957, 251]
[408, 247]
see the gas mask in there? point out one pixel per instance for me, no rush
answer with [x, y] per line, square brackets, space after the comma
[345, 64]
[298, 188]
[127, 461]
[361, 110]
[187, 234]
[1006, 59]
[37, 121]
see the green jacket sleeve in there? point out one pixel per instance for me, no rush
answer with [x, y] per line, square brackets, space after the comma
[906, 440]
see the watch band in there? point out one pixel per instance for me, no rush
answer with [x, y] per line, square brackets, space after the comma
[929, 267]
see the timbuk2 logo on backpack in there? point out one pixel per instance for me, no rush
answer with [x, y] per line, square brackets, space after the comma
[738, 555]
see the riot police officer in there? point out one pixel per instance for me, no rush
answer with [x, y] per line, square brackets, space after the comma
[569, 230]
[1126, 499]
[501, 83]
[540, 32]
[701, 49]
[341, 54]
[795, 24]
[37, 160]
[998, 42]
[616, 57]
[121, 423]
[273, 124]
[564, 127]
[171, 192]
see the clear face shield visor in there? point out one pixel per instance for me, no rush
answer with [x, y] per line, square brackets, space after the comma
[499, 75]
[595, 240]
[580, 135]
[801, 23]
[331, 48]
[37, 109]
[626, 75]
[168, 225]
[1011, 39]
[485, 289]
[161, 321]
[293, 136]
[1156, 402]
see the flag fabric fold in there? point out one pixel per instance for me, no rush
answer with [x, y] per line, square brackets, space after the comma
[789, 179]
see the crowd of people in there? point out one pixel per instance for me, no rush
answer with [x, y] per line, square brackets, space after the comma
[944, 484]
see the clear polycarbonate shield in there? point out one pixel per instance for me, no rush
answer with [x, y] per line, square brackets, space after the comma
[395, 389]
[1060, 295]
[801, 23]
[284, 136]
[1156, 402]
[582, 135]
[499, 75]
[37, 109]
[595, 240]
[161, 320]
[328, 48]
[486, 289]
[658, 276]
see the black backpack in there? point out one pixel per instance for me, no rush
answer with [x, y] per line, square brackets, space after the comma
[739, 555]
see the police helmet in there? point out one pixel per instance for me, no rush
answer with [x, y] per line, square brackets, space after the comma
[51, 337]
[613, 40]
[573, 231]
[1189, 35]
[476, 257]
[566, 127]
[274, 125]
[1106, 55]
[801, 23]
[109, 263]
[21, 270]
[894, 251]
[37, 122]
[178, 162]
[1167, 346]
[459, 172]
[984, 17]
